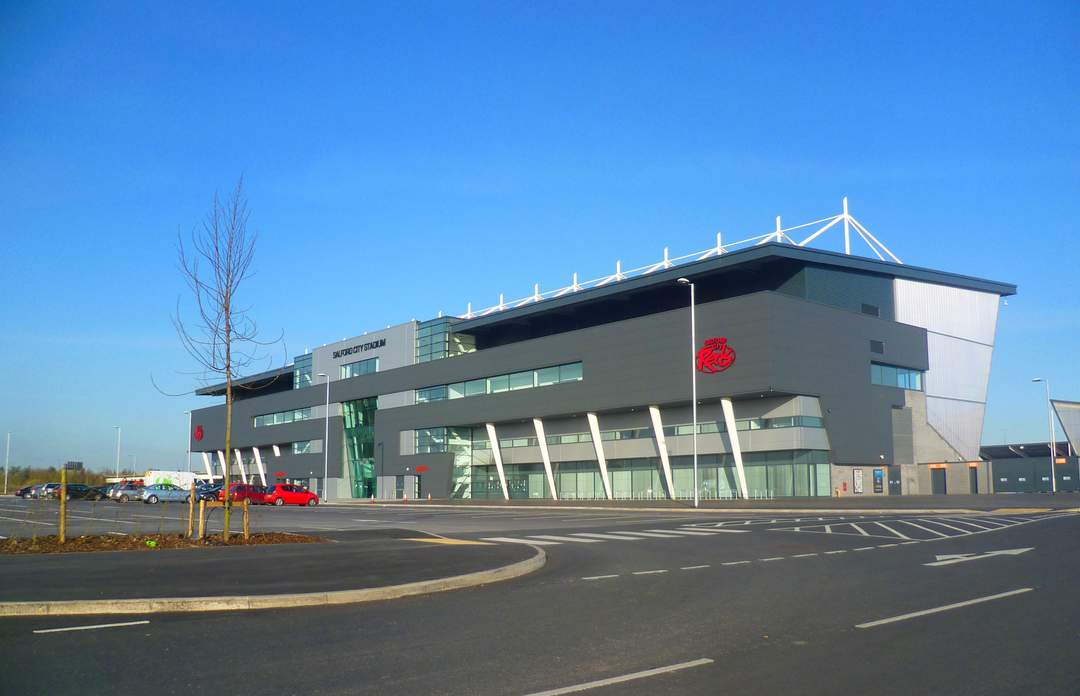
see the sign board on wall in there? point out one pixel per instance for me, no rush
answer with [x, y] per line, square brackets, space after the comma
[716, 355]
[856, 482]
[879, 480]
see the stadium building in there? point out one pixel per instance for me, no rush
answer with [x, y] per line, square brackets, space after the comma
[816, 373]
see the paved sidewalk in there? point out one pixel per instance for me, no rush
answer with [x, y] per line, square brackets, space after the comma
[849, 503]
[353, 560]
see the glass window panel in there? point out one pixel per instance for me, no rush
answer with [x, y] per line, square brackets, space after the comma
[546, 376]
[456, 390]
[475, 386]
[570, 373]
[498, 384]
[521, 380]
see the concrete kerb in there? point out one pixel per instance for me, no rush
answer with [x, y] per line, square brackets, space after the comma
[673, 510]
[277, 601]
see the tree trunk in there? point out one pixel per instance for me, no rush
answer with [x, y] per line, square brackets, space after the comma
[228, 426]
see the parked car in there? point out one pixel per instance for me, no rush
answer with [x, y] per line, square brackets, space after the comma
[100, 493]
[164, 492]
[242, 491]
[126, 492]
[289, 494]
[75, 491]
[49, 490]
[208, 493]
[23, 492]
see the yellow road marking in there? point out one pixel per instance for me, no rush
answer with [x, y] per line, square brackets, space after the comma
[452, 542]
[1017, 511]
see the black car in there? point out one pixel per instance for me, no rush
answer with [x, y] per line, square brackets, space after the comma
[208, 493]
[23, 492]
[76, 491]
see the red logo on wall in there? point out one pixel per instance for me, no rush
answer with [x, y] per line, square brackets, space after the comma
[198, 433]
[715, 356]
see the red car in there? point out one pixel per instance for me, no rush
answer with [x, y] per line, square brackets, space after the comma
[289, 494]
[244, 491]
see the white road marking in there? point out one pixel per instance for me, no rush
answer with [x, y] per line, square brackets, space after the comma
[882, 524]
[50, 524]
[553, 537]
[927, 529]
[952, 558]
[697, 567]
[862, 531]
[125, 533]
[624, 678]
[840, 551]
[512, 540]
[649, 572]
[599, 577]
[654, 535]
[607, 537]
[864, 548]
[993, 522]
[804, 555]
[729, 563]
[947, 607]
[885, 546]
[774, 558]
[970, 524]
[91, 628]
[908, 543]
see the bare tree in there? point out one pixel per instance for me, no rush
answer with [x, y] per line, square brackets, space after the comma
[222, 337]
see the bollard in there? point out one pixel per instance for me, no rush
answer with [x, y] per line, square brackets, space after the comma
[247, 519]
[202, 518]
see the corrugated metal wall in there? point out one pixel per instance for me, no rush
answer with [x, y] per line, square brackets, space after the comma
[960, 328]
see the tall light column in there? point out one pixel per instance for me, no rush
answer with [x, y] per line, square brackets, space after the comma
[326, 438]
[693, 379]
[188, 440]
[117, 450]
[1053, 434]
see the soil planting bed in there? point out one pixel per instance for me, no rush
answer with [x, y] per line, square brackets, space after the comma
[145, 542]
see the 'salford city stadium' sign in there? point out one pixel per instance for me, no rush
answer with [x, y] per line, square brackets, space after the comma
[360, 348]
[715, 356]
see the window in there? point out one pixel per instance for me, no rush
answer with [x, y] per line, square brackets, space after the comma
[300, 414]
[301, 447]
[877, 347]
[894, 376]
[872, 310]
[746, 424]
[528, 379]
[361, 367]
[302, 372]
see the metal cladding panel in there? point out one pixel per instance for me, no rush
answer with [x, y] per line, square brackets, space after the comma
[959, 369]
[959, 422]
[947, 310]
[1068, 412]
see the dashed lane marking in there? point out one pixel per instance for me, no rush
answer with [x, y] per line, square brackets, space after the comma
[606, 537]
[731, 563]
[599, 577]
[697, 567]
[555, 537]
[649, 572]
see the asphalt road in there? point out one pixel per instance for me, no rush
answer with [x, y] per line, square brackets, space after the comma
[756, 604]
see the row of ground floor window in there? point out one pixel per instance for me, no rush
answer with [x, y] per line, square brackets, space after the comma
[768, 475]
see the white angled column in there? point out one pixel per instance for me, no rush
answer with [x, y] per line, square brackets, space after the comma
[240, 463]
[259, 463]
[661, 447]
[209, 467]
[541, 440]
[598, 447]
[221, 462]
[736, 450]
[496, 454]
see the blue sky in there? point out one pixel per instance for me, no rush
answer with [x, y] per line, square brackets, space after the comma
[407, 158]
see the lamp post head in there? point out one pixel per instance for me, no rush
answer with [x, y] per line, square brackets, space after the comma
[1037, 379]
[683, 281]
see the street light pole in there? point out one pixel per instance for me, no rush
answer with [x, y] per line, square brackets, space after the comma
[693, 380]
[326, 438]
[117, 450]
[188, 440]
[1053, 434]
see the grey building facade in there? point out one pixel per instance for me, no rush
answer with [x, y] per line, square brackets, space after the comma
[817, 374]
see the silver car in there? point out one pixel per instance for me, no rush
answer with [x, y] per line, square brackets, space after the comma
[164, 492]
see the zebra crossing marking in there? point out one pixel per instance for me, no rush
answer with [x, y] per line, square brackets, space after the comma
[617, 535]
[919, 529]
